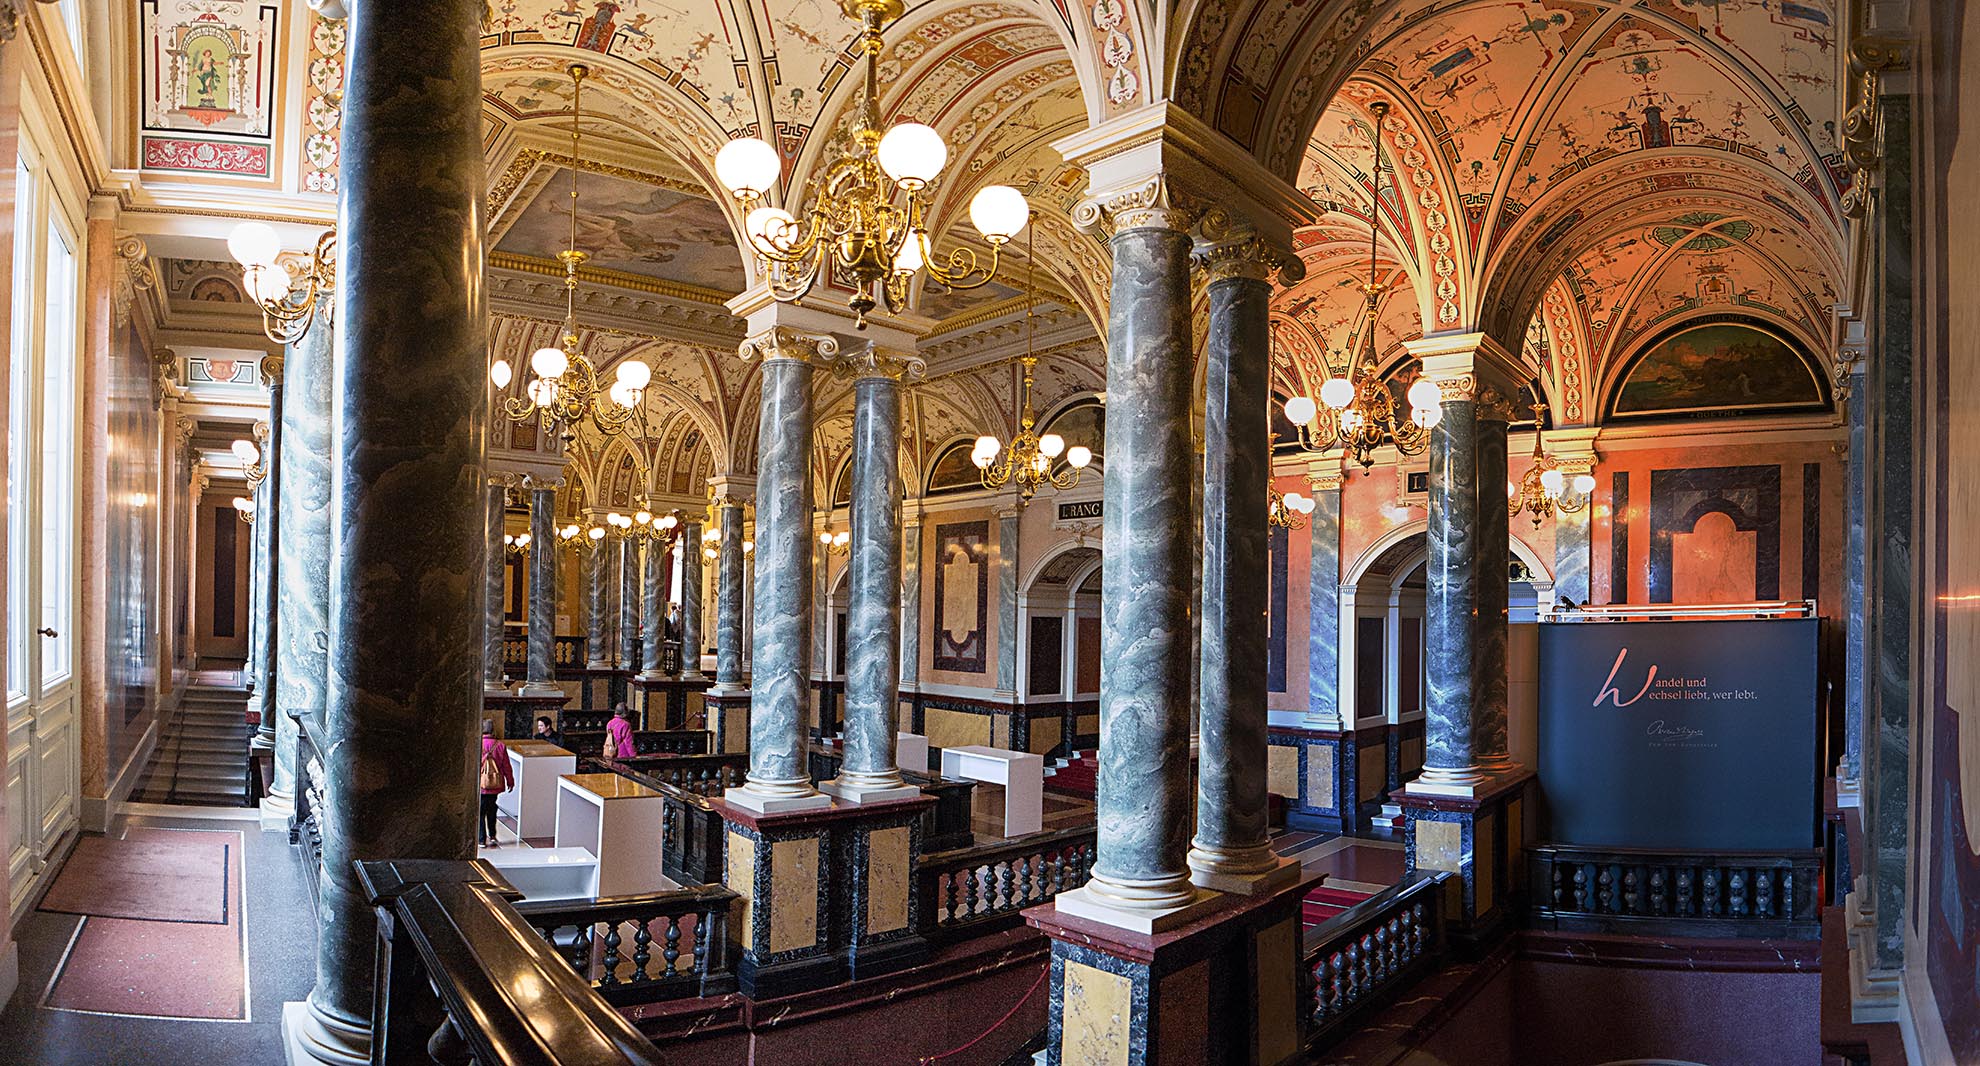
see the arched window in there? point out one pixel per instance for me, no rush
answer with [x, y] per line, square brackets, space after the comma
[1082, 422]
[952, 471]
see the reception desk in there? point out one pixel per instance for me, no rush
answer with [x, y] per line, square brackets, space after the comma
[1021, 773]
[617, 820]
[532, 803]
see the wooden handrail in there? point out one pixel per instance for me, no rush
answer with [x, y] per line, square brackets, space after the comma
[461, 976]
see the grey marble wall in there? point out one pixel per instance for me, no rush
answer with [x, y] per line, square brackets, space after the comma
[1007, 600]
[267, 578]
[873, 598]
[1451, 600]
[1571, 554]
[494, 586]
[542, 674]
[653, 610]
[1231, 824]
[1856, 548]
[408, 505]
[303, 631]
[1143, 802]
[691, 596]
[1492, 578]
[1323, 610]
[729, 593]
[911, 604]
[780, 639]
[595, 568]
[630, 585]
[1893, 434]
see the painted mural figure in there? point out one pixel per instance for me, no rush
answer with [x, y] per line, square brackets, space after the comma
[597, 30]
[208, 80]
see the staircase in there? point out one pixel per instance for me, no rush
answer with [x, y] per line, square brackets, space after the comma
[1078, 776]
[1327, 901]
[202, 755]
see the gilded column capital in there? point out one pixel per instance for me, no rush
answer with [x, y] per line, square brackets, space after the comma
[1457, 388]
[1494, 405]
[542, 482]
[1152, 203]
[1870, 58]
[874, 361]
[271, 369]
[261, 431]
[1231, 247]
[784, 344]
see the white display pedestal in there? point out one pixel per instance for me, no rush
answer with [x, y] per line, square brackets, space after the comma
[911, 752]
[533, 802]
[1021, 773]
[617, 820]
[547, 873]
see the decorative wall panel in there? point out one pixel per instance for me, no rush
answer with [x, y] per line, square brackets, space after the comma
[962, 593]
[208, 88]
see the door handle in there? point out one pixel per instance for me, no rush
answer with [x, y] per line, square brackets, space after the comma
[47, 632]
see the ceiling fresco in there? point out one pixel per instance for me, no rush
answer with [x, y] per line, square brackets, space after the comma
[630, 227]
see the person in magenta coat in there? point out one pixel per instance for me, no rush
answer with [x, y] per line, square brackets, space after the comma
[620, 730]
[496, 777]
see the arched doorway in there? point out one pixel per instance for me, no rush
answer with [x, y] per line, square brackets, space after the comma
[1382, 660]
[1059, 657]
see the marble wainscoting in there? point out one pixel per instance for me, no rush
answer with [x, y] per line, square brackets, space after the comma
[1332, 780]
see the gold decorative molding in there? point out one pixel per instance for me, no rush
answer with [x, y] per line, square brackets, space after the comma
[1152, 204]
[551, 268]
[779, 343]
[1230, 247]
[271, 369]
[877, 362]
[1870, 58]
[1458, 388]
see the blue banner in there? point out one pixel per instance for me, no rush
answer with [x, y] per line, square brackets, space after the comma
[1697, 735]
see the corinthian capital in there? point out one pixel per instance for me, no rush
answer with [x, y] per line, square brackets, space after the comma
[874, 361]
[1230, 247]
[1150, 203]
[782, 343]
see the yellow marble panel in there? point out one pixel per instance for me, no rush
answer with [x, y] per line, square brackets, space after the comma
[741, 879]
[1439, 846]
[1095, 1017]
[1000, 731]
[1412, 756]
[1516, 843]
[887, 874]
[793, 894]
[1320, 775]
[1277, 992]
[1045, 734]
[1483, 865]
[1089, 725]
[954, 729]
[735, 728]
[1282, 770]
[1373, 767]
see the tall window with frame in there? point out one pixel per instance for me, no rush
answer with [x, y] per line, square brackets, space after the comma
[57, 458]
[19, 393]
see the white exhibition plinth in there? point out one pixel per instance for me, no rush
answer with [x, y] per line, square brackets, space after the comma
[1021, 773]
[547, 873]
[911, 752]
[533, 802]
[618, 820]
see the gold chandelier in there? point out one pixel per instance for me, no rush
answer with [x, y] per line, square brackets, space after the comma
[1032, 461]
[1358, 413]
[567, 391]
[868, 213]
[1546, 488]
[516, 543]
[288, 303]
[1287, 510]
[641, 525]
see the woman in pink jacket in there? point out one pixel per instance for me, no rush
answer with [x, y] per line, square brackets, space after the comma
[496, 776]
[620, 732]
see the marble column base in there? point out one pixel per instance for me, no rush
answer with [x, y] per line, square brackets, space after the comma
[1124, 913]
[653, 675]
[278, 809]
[1849, 791]
[752, 796]
[849, 788]
[1224, 986]
[538, 688]
[495, 688]
[1467, 783]
[1240, 874]
[1875, 995]
[1480, 840]
[310, 1038]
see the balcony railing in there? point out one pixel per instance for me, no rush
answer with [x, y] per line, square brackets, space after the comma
[1624, 890]
[701, 775]
[463, 978]
[566, 654]
[1359, 960]
[590, 743]
[645, 948]
[975, 890]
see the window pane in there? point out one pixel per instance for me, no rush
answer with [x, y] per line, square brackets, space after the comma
[58, 447]
[20, 376]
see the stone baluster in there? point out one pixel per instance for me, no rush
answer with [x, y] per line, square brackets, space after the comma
[1232, 851]
[781, 637]
[404, 700]
[872, 716]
